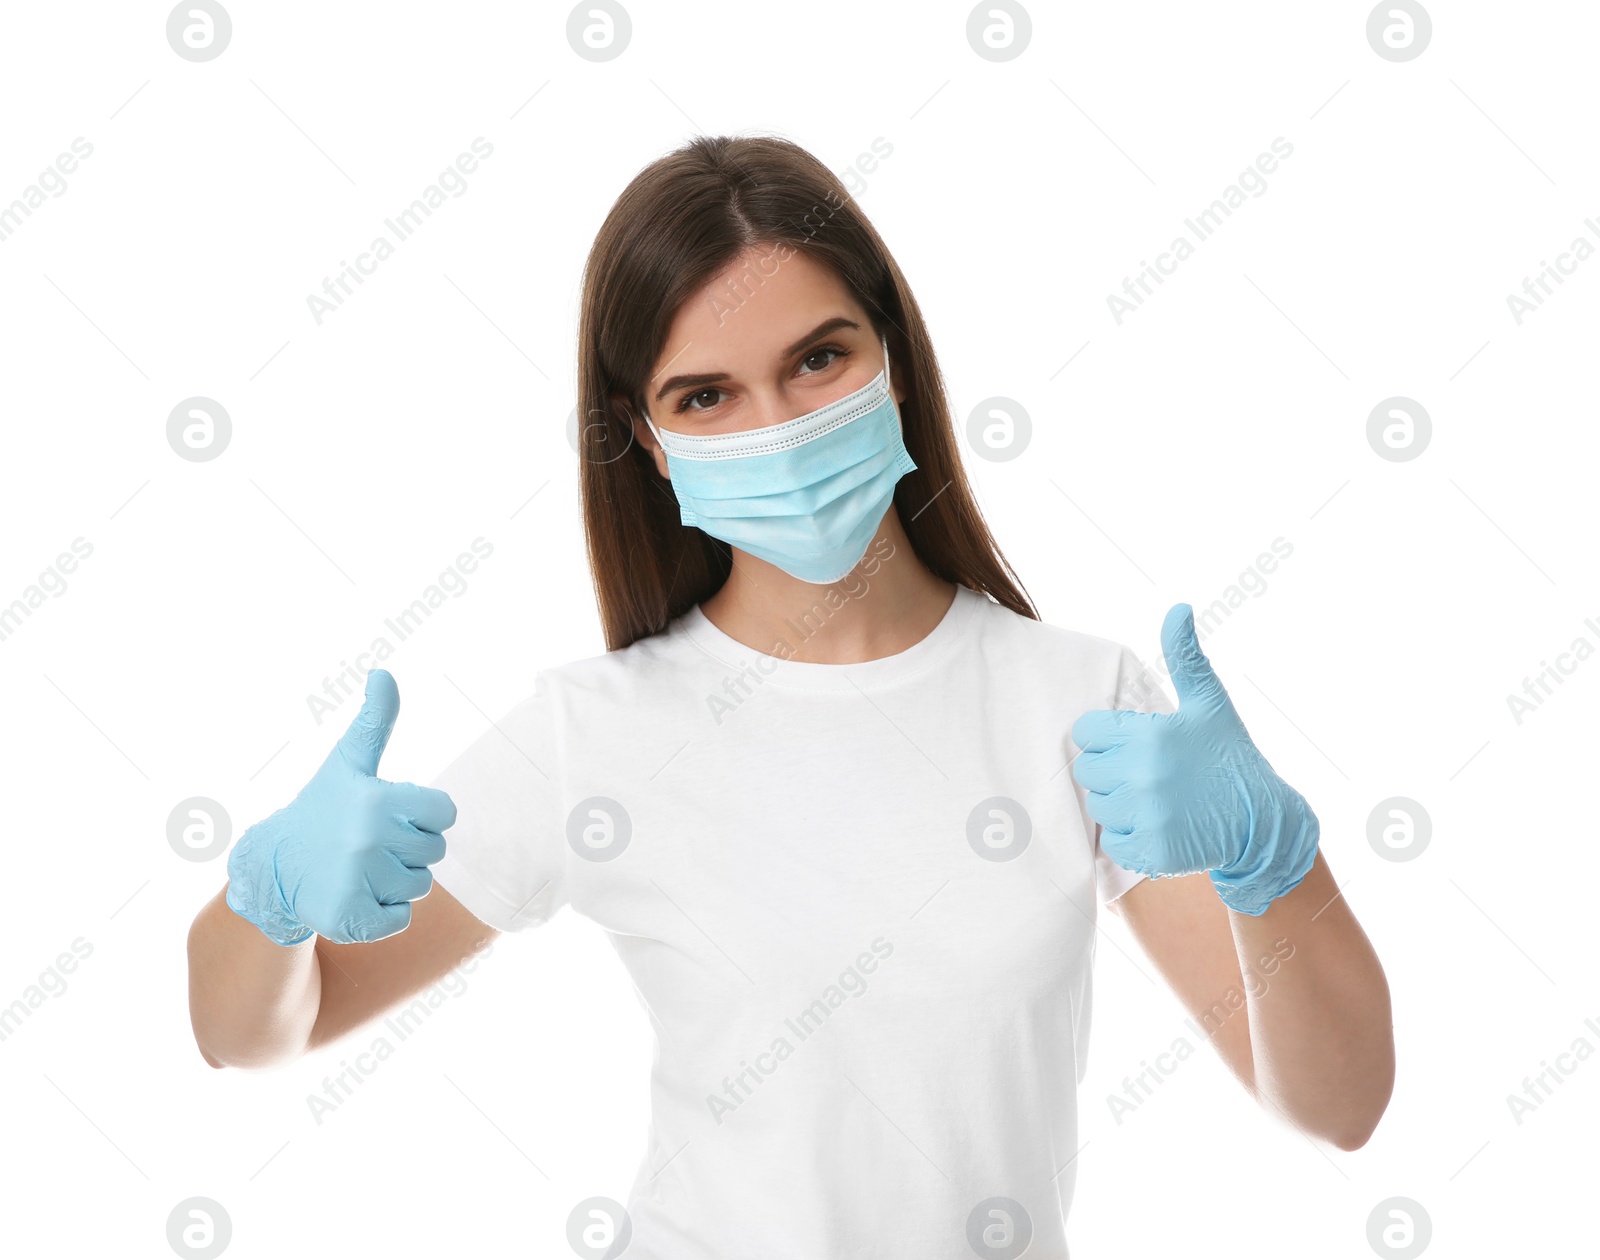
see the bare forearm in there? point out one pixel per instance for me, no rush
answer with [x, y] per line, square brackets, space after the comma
[1321, 1028]
[252, 1003]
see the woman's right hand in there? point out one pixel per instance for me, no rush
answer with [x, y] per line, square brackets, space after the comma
[346, 858]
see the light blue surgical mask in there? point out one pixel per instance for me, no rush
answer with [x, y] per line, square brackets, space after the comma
[806, 495]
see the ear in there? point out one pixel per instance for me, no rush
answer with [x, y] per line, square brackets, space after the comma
[641, 432]
[896, 387]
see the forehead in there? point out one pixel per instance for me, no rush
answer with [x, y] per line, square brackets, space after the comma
[757, 304]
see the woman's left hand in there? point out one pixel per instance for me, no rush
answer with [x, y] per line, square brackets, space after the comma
[1177, 793]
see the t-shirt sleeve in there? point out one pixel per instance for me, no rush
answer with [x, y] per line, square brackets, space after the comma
[1138, 687]
[505, 858]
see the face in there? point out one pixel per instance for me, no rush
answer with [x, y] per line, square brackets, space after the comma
[772, 337]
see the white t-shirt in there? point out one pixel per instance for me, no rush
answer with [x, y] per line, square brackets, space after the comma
[858, 902]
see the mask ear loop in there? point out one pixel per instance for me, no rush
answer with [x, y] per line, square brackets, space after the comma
[651, 423]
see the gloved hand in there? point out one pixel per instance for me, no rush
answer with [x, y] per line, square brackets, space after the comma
[347, 857]
[1177, 793]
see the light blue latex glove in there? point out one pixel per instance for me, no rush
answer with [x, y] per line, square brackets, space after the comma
[347, 857]
[1177, 793]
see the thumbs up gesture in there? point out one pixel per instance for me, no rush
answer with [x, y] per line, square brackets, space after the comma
[1177, 793]
[346, 858]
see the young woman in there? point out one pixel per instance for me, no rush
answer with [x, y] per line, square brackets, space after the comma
[817, 789]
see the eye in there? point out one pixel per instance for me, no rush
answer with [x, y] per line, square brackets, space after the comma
[683, 403]
[837, 352]
[834, 352]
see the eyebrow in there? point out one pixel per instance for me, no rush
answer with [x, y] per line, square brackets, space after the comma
[710, 378]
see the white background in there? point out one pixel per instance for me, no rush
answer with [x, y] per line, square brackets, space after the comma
[367, 452]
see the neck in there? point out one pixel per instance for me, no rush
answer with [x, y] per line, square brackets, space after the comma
[887, 603]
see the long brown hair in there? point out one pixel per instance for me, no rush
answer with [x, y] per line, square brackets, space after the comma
[680, 222]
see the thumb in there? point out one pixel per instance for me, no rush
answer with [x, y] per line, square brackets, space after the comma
[362, 745]
[1192, 676]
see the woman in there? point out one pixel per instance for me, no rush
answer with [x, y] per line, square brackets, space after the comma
[817, 787]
